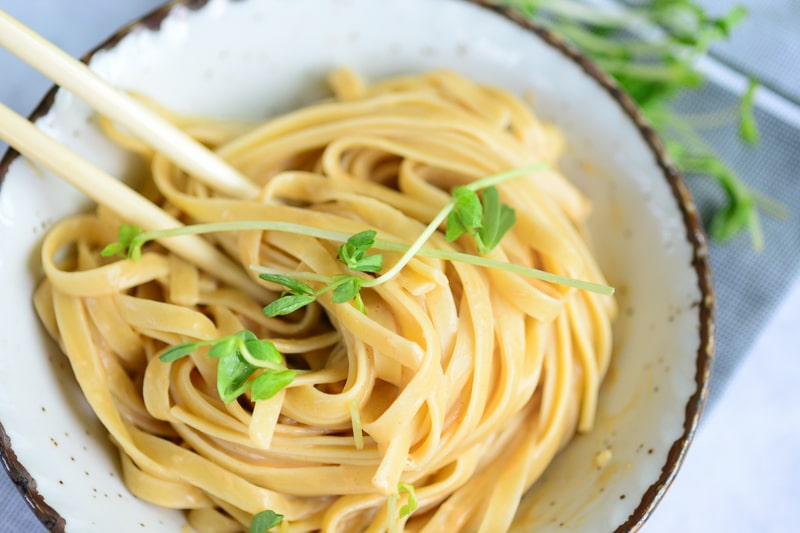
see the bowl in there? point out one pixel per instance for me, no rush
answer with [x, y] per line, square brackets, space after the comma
[252, 59]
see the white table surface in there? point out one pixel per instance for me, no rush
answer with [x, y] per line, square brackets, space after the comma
[741, 472]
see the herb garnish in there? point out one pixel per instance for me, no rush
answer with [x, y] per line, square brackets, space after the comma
[264, 521]
[412, 503]
[486, 222]
[405, 510]
[353, 252]
[130, 240]
[345, 287]
[241, 355]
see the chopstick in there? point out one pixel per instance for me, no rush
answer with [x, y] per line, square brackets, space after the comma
[130, 205]
[148, 126]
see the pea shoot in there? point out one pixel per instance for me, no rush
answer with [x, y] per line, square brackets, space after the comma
[411, 504]
[299, 294]
[130, 240]
[404, 511]
[241, 356]
[353, 253]
[264, 521]
[486, 222]
[345, 287]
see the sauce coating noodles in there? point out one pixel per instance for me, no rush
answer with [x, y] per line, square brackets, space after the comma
[462, 381]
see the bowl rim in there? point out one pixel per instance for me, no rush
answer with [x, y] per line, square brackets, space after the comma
[695, 235]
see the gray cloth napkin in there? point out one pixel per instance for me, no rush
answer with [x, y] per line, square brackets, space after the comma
[749, 285]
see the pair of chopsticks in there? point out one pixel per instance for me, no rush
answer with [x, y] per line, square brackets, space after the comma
[146, 125]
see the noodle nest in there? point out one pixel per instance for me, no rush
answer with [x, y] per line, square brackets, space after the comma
[456, 387]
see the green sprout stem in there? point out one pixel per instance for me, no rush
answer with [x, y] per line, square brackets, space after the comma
[485, 221]
[431, 228]
[459, 257]
[289, 227]
[409, 251]
[740, 196]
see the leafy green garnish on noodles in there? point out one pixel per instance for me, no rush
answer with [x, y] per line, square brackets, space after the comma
[353, 252]
[299, 294]
[405, 510]
[264, 521]
[245, 363]
[485, 221]
[345, 287]
[412, 503]
[296, 296]
[129, 243]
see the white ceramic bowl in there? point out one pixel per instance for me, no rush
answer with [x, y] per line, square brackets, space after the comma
[255, 58]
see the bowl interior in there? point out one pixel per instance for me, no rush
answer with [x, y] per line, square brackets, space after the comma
[255, 58]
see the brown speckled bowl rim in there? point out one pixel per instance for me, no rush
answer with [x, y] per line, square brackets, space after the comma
[695, 234]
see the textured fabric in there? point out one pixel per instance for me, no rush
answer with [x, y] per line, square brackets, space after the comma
[15, 517]
[749, 285]
[767, 43]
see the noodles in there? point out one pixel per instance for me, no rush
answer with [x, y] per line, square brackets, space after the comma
[456, 386]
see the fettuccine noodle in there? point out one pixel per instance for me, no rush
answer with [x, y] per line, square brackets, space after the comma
[460, 381]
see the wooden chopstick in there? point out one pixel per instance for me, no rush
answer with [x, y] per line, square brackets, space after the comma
[130, 205]
[148, 126]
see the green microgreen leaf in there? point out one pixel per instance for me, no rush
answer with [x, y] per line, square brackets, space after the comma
[268, 384]
[297, 295]
[353, 253]
[739, 212]
[347, 289]
[294, 286]
[412, 503]
[232, 375]
[179, 350]
[129, 243]
[287, 304]
[370, 263]
[115, 248]
[264, 350]
[497, 220]
[358, 303]
[360, 242]
[748, 127]
[485, 220]
[240, 356]
[726, 23]
[222, 347]
[465, 215]
[264, 521]
[245, 335]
